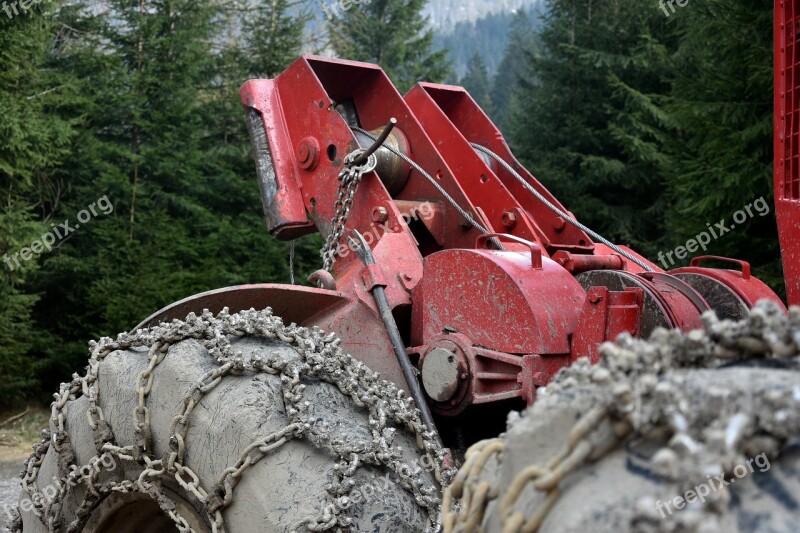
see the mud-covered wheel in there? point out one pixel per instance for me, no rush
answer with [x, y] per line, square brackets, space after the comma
[678, 433]
[234, 423]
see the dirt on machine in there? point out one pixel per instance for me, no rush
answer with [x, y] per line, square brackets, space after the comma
[470, 356]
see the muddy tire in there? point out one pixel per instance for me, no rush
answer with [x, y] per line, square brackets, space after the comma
[331, 446]
[636, 442]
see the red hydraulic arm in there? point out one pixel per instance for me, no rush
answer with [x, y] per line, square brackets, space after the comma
[491, 282]
[787, 140]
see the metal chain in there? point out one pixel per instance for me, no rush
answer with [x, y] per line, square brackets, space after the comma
[320, 357]
[349, 179]
[436, 185]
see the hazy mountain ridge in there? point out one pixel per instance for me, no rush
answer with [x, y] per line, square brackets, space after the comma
[445, 14]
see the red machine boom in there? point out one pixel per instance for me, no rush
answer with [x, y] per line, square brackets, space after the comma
[493, 284]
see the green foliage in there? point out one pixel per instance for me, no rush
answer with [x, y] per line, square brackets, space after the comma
[488, 37]
[721, 105]
[584, 122]
[162, 137]
[393, 34]
[476, 82]
[652, 128]
[32, 142]
[522, 44]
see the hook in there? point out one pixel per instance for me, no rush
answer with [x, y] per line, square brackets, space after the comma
[360, 160]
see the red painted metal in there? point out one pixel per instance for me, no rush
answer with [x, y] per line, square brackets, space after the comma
[511, 318]
[355, 320]
[488, 376]
[606, 315]
[457, 118]
[741, 282]
[787, 140]
[577, 263]
[499, 300]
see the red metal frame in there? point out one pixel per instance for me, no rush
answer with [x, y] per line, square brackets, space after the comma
[787, 140]
[510, 318]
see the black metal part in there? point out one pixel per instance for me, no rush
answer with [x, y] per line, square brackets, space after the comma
[360, 160]
[365, 254]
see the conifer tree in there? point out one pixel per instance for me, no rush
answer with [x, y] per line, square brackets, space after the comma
[158, 141]
[505, 86]
[580, 125]
[476, 82]
[393, 34]
[33, 141]
[721, 158]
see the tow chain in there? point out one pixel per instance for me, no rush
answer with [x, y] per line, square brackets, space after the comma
[320, 357]
[349, 179]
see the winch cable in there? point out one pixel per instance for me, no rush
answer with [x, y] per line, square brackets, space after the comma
[472, 222]
[560, 212]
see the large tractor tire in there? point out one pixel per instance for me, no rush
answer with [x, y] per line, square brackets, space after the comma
[679, 433]
[235, 423]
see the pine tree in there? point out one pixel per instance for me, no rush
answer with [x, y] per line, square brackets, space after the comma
[33, 140]
[160, 140]
[392, 34]
[505, 86]
[476, 82]
[586, 102]
[273, 36]
[722, 105]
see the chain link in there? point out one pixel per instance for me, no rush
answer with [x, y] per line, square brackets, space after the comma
[349, 179]
[320, 357]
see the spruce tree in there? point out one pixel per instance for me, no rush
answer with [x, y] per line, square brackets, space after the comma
[33, 141]
[505, 85]
[392, 34]
[721, 158]
[476, 82]
[584, 103]
[163, 139]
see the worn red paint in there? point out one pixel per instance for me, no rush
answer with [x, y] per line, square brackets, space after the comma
[511, 318]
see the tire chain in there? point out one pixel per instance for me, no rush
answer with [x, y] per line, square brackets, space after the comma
[321, 358]
[349, 179]
[768, 333]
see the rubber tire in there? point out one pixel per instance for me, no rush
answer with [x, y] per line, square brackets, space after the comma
[607, 495]
[275, 493]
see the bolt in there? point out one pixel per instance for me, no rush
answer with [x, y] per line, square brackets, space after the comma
[509, 219]
[560, 224]
[307, 153]
[595, 298]
[380, 214]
